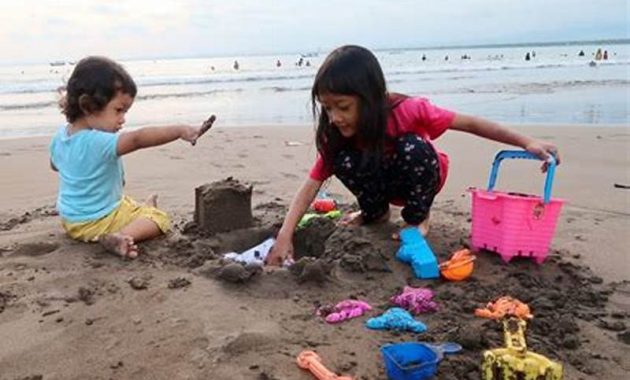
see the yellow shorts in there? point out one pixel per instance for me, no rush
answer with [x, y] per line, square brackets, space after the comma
[128, 211]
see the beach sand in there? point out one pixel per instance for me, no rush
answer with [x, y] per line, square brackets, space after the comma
[70, 311]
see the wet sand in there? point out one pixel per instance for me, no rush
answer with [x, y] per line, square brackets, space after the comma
[70, 311]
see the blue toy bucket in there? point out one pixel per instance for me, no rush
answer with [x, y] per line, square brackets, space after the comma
[410, 361]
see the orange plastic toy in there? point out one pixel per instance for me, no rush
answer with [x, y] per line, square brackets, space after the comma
[459, 267]
[505, 307]
[310, 361]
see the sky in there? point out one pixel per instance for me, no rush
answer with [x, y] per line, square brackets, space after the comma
[48, 30]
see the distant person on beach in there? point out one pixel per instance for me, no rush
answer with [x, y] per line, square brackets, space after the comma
[598, 55]
[527, 58]
[605, 55]
[581, 53]
[87, 153]
[235, 66]
[380, 145]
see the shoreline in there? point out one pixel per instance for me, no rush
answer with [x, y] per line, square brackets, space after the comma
[520, 126]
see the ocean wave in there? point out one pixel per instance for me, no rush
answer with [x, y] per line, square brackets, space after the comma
[48, 86]
[25, 106]
[514, 88]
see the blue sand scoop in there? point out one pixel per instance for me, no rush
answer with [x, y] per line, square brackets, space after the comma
[415, 250]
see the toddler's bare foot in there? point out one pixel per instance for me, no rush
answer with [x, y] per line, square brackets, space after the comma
[356, 219]
[119, 244]
[152, 200]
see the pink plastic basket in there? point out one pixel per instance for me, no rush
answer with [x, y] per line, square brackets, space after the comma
[513, 224]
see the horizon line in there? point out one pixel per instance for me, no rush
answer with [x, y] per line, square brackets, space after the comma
[615, 41]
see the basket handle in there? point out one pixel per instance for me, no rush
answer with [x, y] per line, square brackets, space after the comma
[521, 154]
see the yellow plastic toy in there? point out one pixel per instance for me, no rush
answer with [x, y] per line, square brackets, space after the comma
[514, 362]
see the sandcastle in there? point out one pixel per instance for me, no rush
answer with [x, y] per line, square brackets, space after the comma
[223, 206]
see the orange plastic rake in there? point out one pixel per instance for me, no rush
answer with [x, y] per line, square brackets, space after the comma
[505, 307]
[311, 362]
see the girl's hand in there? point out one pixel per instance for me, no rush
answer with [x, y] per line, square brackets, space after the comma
[281, 251]
[543, 150]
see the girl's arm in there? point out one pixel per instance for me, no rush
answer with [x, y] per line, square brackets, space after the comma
[283, 248]
[154, 136]
[493, 131]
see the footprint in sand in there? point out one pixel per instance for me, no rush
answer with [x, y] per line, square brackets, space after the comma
[248, 341]
[289, 175]
[35, 249]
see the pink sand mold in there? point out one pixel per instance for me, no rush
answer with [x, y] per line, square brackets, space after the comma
[343, 311]
[416, 300]
[513, 224]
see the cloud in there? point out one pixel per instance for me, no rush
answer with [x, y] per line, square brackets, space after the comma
[68, 29]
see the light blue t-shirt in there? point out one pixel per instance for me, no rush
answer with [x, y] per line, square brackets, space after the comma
[90, 174]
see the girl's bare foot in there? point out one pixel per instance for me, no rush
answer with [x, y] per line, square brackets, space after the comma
[356, 219]
[422, 227]
[151, 200]
[119, 244]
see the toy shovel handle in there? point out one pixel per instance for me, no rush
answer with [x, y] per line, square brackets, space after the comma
[446, 348]
[521, 154]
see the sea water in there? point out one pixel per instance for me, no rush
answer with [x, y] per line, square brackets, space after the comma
[555, 86]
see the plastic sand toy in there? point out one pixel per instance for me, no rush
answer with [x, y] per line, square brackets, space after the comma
[308, 217]
[396, 319]
[415, 300]
[515, 361]
[343, 311]
[505, 307]
[415, 360]
[513, 224]
[311, 362]
[459, 267]
[415, 250]
[324, 205]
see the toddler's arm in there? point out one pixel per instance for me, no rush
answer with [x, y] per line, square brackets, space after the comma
[284, 241]
[493, 131]
[154, 136]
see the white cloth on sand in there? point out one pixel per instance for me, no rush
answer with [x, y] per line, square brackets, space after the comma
[256, 255]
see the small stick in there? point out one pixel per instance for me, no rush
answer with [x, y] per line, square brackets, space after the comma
[205, 127]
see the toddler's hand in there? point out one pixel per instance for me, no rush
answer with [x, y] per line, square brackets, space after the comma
[543, 150]
[205, 127]
[191, 134]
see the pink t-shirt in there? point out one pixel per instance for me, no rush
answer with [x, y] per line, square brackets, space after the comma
[412, 115]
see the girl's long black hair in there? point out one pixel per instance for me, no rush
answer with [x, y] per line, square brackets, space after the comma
[352, 70]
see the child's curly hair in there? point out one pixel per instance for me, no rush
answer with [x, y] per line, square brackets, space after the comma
[94, 82]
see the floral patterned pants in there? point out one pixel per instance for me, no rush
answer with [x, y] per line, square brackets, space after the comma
[410, 175]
